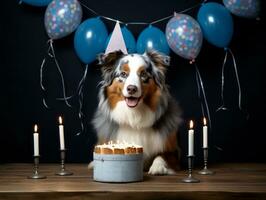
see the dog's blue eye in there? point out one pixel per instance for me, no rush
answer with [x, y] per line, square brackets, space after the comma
[123, 75]
[144, 76]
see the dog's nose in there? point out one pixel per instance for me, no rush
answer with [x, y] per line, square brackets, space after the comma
[132, 89]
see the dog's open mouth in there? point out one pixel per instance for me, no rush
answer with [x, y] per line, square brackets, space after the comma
[132, 101]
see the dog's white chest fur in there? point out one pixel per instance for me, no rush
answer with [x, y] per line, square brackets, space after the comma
[137, 118]
[152, 142]
[135, 126]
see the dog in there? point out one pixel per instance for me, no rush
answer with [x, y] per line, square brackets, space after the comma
[135, 106]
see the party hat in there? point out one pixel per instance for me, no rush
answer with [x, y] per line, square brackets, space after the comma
[116, 41]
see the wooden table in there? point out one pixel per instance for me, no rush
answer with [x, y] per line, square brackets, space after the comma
[231, 181]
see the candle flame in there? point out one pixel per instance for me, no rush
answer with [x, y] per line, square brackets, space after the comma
[204, 121]
[35, 128]
[60, 120]
[191, 124]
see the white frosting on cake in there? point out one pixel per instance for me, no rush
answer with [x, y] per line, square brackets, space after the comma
[118, 145]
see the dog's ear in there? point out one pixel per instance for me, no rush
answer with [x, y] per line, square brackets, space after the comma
[158, 60]
[159, 63]
[108, 63]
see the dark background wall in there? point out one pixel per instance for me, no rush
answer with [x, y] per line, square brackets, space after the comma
[23, 46]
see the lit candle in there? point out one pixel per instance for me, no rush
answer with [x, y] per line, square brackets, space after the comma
[191, 139]
[36, 140]
[61, 134]
[205, 133]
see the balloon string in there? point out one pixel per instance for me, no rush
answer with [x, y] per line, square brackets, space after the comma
[78, 88]
[200, 85]
[41, 77]
[42, 67]
[139, 23]
[59, 70]
[51, 53]
[193, 7]
[237, 79]
[198, 88]
[81, 96]
[223, 107]
[162, 19]
[41, 83]
[41, 74]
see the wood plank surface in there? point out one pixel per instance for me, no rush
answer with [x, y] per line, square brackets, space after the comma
[231, 181]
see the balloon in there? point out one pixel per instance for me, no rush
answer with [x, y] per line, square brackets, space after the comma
[37, 2]
[184, 36]
[152, 38]
[243, 8]
[90, 39]
[62, 17]
[128, 38]
[216, 23]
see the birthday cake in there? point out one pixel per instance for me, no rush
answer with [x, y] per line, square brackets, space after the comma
[118, 148]
[118, 162]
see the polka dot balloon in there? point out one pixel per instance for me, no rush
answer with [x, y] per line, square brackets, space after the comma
[243, 8]
[62, 17]
[184, 36]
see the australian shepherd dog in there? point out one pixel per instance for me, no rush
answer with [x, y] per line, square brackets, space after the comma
[135, 106]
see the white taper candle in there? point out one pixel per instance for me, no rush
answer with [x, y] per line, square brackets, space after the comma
[61, 134]
[36, 141]
[205, 133]
[191, 139]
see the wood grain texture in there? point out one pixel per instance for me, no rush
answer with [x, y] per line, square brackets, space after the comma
[231, 181]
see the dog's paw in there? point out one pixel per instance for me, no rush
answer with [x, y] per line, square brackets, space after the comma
[159, 167]
[91, 165]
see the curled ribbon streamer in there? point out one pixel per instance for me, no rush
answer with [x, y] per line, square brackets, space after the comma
[41, 76]
[237, 79]
[80, 94]
[223, 107]
[198, 86]
[41, 83]
[44, 103]
[51, 53]
[59, 70]
[201, 86]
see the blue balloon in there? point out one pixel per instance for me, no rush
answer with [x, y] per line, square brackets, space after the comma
[216, 23]
[38, 3]
[128, 38]
[152, 38]
[62, 17]
[243, 8]
[90, 39]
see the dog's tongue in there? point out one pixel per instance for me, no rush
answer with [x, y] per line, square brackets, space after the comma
[132, 102]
